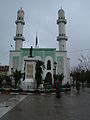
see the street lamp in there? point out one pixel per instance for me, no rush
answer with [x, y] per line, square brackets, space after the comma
[54, 71]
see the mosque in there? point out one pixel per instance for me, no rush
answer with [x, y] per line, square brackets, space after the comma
[55, 61]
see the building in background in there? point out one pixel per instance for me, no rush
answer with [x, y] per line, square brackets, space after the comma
[24, 59]
[4, 70]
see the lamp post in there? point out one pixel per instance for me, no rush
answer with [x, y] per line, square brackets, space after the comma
[54, 72]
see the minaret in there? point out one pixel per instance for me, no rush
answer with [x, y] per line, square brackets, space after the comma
[62, 38]
[19, 30]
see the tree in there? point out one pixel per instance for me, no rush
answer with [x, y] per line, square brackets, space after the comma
[83, 77]
[81, 73]
[75, 73]
[85, 68]
[17, 75]
[84, 62]
[8, 80]
[5, 80]
[88, 77]
[38, 74]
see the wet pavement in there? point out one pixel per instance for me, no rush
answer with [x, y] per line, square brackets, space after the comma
[7, 102]
[71, 106]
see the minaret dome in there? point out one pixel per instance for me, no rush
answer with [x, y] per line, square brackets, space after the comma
[20, 15]
[61, 13]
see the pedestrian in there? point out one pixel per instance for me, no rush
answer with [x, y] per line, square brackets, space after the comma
[58, 88]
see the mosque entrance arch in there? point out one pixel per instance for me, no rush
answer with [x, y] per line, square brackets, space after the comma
[49, 78]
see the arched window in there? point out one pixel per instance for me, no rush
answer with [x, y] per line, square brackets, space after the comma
[48, 65]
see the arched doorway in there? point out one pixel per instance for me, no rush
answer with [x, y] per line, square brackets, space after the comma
[49, 78]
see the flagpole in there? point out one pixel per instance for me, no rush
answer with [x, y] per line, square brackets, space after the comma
[36, 40]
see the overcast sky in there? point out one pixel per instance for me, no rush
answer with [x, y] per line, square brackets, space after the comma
[40, 17]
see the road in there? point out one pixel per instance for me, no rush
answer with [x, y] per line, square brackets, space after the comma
[70, 106]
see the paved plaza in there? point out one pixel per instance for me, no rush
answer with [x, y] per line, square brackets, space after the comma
[71, 106]
[7, 102]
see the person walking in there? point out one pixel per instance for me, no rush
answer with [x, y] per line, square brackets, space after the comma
[58, 89]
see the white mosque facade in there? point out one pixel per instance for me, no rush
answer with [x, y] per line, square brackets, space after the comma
[20, 57]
